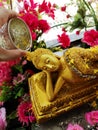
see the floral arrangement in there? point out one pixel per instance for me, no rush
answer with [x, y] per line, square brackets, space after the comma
[14, 74]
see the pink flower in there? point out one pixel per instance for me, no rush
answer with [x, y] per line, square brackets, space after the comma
[1, 103]
[18, 79]
[3, 122]
[24, 62]
[64, 40]
[74, 127]
[91, 37]
[92, 117]
[5, 70]
[19, 1]
[1, 4]
[25, 113]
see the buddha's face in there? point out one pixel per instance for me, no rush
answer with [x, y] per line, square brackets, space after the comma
[48, 62]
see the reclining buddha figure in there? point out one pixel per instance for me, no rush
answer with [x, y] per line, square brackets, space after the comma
[75, 67]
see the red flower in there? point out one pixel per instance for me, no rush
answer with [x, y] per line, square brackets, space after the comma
[63, 29]
[43, 7]
[64, 40]
[43, 25]
[29, 5]
[68, 16]
[77, 32]
[34, 35]
[25, 113]
[51, 10]
[47, 8]
[31, 20]
[63, 8]
[91, 37]
[30, 72]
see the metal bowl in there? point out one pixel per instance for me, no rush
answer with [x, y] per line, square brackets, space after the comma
[19, 34]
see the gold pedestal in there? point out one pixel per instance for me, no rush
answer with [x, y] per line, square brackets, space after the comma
[68, 98]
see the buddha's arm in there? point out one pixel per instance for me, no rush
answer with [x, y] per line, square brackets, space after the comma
[58, 85]
[49, 86]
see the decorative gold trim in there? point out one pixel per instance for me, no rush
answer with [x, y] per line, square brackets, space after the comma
[62, 104]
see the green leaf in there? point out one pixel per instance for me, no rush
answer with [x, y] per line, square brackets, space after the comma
[6, 93]
[19, 93]
[34, 126]
[12, 115]
[17, 68]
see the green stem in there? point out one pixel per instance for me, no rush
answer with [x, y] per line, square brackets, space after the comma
[58, 25]
[92, 12]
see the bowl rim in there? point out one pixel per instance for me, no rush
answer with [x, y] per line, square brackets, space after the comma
[27, 27]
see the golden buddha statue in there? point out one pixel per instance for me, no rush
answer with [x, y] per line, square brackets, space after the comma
[64, 82]
[45, 60]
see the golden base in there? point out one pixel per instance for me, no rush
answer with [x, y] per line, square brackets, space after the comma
[68, 98]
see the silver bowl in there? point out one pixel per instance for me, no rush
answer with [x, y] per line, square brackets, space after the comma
[19, 34]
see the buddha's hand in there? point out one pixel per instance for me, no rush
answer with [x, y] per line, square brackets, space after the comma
[49, 86]
[28, 55]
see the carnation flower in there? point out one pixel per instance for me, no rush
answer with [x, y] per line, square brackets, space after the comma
[91, 37]
[64, 40]
[43, 25]
[5, 70]
[5, 73]
[31, 20]
[25, 113]
[74, 127]
[92, 117]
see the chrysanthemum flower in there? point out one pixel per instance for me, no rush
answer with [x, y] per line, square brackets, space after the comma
[18, 79]
[25, 113]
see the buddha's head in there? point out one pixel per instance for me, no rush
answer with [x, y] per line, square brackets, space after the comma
[44, 59]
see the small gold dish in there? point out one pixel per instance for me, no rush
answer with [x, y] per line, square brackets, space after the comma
[19, 34]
